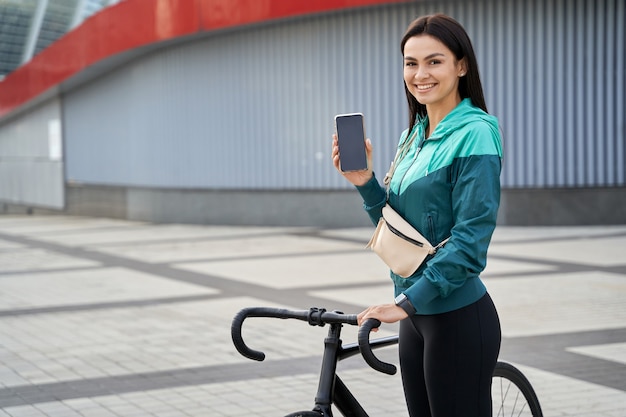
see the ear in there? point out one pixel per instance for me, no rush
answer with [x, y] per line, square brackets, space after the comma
[462, 67]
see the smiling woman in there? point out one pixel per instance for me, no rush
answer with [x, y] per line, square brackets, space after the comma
[445, 182]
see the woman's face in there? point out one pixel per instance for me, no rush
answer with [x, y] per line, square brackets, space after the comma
[431, 72]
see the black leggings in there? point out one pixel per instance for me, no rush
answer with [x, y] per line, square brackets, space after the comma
[447, 361]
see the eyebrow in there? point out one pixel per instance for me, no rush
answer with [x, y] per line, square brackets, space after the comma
[431, 56]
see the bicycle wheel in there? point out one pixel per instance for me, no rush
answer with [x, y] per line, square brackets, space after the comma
[512, 394]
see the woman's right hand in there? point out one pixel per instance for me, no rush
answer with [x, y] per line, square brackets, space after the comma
[355, 177]
[386, 313]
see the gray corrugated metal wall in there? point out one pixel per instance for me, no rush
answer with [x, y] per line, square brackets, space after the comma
[249, 109]
[555, 75]
[253, 109]
[31, 158]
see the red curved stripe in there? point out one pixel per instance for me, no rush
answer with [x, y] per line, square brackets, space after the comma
[132, 24]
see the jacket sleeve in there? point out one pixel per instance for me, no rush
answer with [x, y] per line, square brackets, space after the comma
[374, 198]
[475, 199]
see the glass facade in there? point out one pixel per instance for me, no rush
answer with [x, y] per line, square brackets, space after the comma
[29, 26]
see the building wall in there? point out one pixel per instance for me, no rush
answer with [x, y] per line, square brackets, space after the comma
[248, 109]
[31, 158]
[253, 109]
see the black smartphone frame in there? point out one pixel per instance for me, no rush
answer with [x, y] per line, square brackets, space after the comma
[350, 130]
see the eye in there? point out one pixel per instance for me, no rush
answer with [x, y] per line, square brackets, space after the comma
[409, 64]
[434, 62]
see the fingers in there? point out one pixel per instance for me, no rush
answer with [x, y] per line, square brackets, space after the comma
[335, 153]
[363, 319]
[368, 313]
[368, 151]
[360, 317]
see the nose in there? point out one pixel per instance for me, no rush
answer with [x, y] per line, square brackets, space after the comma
[421, 73]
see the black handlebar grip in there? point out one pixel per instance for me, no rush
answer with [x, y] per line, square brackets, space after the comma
[235, 331]
[366, 349]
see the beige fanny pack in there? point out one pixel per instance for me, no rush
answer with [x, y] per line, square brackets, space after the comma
[399, 245]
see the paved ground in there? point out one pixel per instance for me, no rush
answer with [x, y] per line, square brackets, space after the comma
[103, 317]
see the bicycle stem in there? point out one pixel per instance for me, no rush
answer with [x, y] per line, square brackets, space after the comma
[325, 389]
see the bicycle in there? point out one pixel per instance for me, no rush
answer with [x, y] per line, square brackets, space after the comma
[513, 395]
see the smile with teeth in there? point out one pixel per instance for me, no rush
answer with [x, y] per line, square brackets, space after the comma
[425, 86]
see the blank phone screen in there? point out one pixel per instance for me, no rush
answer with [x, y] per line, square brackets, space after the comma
[351, 142]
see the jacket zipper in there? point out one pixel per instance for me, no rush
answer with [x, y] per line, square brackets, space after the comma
[431, 227]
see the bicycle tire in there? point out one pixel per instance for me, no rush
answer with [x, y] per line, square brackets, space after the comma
[507, 386]
[305, 414]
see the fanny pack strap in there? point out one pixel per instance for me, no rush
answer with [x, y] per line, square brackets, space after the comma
[403, 149]
[435, 248]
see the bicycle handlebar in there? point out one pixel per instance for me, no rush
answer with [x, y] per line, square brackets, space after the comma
[366, 349]
[315, 317]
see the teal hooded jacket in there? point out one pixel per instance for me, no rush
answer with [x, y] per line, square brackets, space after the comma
[450, 188]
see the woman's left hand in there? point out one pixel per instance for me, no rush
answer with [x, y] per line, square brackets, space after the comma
[386, 313]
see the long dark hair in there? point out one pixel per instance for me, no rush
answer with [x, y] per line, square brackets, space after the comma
[449, 32]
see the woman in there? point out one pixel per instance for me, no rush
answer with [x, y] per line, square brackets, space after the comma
[447, 185]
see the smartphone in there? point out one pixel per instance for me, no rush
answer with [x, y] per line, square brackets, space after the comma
[350, 130]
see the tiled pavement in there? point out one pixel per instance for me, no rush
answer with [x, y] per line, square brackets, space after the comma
[102, 317]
